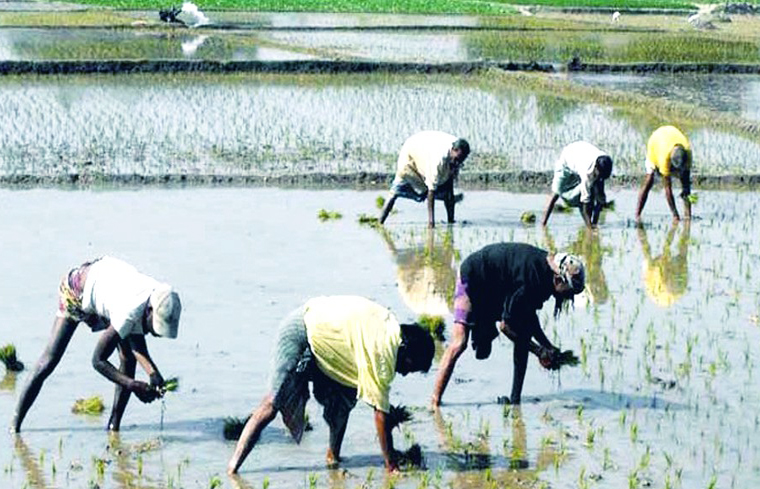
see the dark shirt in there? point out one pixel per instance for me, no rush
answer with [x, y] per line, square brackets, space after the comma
[508, 281]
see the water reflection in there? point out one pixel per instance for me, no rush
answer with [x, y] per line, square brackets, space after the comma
[665, 276]
[35, 475]
[128, 466]
[426, 272]
[9, 381]
[472, 458]
[588, 245]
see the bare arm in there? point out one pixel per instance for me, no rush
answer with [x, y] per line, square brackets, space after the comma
[385, 438]
[667, 183]
[549, 208]
[457, 345]
[140, 349]
[586, 213]
[685, 193]
[643, 194]
[106, 345]
[431, 208]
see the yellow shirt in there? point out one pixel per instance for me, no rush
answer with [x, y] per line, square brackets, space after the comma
[355, 342]
[659, 146]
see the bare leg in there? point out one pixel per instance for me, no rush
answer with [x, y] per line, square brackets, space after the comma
[388, 208]
[337, 431]
[520, 361]
[127, 366]
[260, 418]
[63, 330]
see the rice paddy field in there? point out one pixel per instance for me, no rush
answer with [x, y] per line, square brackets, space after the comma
[667, 330]
[103, 126]
[667, 333]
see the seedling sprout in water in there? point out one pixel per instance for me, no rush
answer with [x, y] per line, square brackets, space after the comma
[325, 215]
[92, 406]
[8, 357]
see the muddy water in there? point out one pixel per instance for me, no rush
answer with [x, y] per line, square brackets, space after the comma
[666, 392]
[261, 125]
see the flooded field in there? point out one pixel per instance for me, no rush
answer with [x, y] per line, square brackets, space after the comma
[666, 393]
[738, 94]
[248, 124]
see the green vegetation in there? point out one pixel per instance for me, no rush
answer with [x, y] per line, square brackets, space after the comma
[368, 6]
[370, 221]
[8, 357]
[91, 406]
[380, 202]
[397, 415]
[170, 385]
[528, 217]
[325, 215]
[434, 324]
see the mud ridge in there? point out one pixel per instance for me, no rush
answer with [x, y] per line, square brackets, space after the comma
[525, 181]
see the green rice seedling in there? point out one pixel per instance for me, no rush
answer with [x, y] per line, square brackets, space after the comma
[380, 202]
[371, 221]
[528, 217]
[100, 466]
[8, 357]
[233, 427]
[693, 199]
[215, 482]
[325, 215]
[434, 324]
[265, 483]
[92, 406]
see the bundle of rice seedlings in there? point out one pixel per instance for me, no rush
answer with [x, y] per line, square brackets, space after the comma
[434, 324]
[170, 385]
[410, 458]
[233, 427]
[8, 357]
[397, 415]
[367, 220]
[92, 406]
[528, 217]
[380, 202]
[325, 215]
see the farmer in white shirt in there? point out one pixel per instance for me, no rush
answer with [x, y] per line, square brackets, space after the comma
[428, 164]
[109, 295]
[579, 176]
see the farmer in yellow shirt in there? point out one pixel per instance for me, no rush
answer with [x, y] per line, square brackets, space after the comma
[668, 152]
[350, 348]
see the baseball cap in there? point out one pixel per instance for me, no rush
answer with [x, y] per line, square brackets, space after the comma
[572, 271]
[166, 310]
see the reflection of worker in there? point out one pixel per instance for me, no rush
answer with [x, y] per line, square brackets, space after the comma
[426, 275]
[579, 176]
[668, 152]
[427, 166]
[110, 295]
[588, 246]
[507, 283]
[35, 476]
[666, 277]
[349, 347]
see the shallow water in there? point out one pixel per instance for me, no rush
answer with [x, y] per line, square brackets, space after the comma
[736, 94]
[667, 390]
[263, 125]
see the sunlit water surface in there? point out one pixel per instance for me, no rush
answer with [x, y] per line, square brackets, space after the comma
[668, 337]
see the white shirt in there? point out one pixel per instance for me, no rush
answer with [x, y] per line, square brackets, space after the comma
[116, 291]
[578, 158]
[424, 162]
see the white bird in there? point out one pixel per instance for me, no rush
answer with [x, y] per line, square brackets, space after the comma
[192, 9]
[615, 16]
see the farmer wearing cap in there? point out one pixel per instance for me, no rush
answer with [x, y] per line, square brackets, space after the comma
[109, 295]
[428, 164]
[350, 348]
[579, 176]
[668, 152]
[506, 283]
